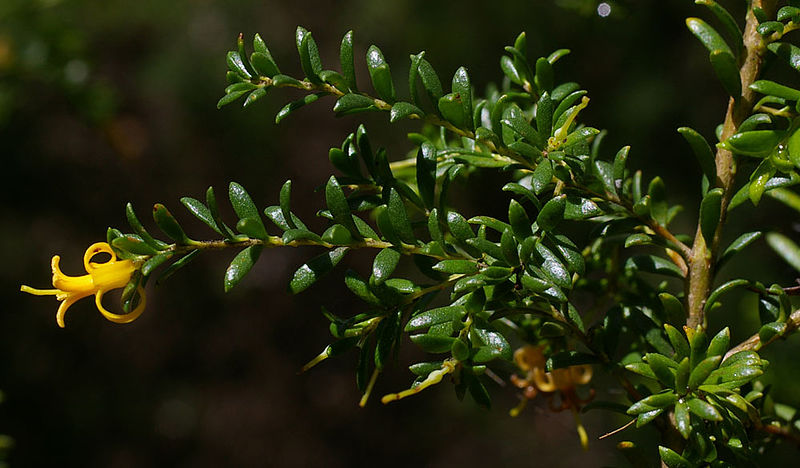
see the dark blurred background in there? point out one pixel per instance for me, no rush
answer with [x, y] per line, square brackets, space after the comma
[102, 103]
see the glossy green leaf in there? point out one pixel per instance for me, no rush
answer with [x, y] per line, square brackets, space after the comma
[708, 36]
[544, 75]
[553, 268]
[462, 89]
[654, 264]
[294, 105]
[720, 343]
[211, 202]
[564, 359]
[672, 459]
[658, 200]
[661, 366]
[350, 103]
[642, 369]
[495, 346]
[155, 262]
[702, 371]
[655, 401]
[518, 218]
[380, 74]
[309, 55]
[139, 229]
[433, 343]
[134, 244]
[430, 80]
[673, 308]
[401, 110]
[237, 65]
[398, 217]
[710, 214]
[312, 271]
[552, 213]
[737, 246]
[451, 108]
[704, 410]
[727, 70]
[337, 204]
[772, 88]
[264, 64]
[683, 419]
[177, 265]
[756, 143]
[169, 225]
[731, 28]
[293, 235]
[346, 61]
[241, 265]
[789, 53]
[678, 342]
[702, 152]
[759, 180]
[386, 336]
[384, 265]
[337, 235]
[544, 116]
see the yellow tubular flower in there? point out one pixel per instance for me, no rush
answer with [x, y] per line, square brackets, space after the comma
[101, 278]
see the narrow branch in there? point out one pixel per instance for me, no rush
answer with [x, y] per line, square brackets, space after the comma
[701, 262]
[754, 343]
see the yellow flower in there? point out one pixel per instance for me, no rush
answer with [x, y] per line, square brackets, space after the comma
[101, 278]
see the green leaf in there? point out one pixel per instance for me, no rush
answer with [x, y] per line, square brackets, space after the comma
[139, 229]
[710, 214]
[466, 267]
[495, 346]
[155, 262]
[264, 64]
[786, 248]
[708, 36]
[426, 173]
[312, 271]
[658, 201]
[654, 264]
[553, 268]
[292, 235]
[386, 335]
[759, 180]
[462, 89]
[671, 458]
[544, 75]
[167, 223]
[236, 65]
[704, 410]
[642, 369]
[337, 235]
[337, 204]
[732, 29]
[134, 244]
[350, 103]
[702, 152]
[769, 331]
[401, 110]
[241, 265]
[380, 74]
[309, 55]
[789, 53]
[398, 217]
[243, 205]
[347, 62]
[294, 105]
[702, 371]
[180, 263]
[552, 213]
[661, 366]
[678, 342]
[727, 70]
[430, 80]
[544, 116]
[720, 343]
[737, 246]
[260, 47]
[433, 343]
[728, 286]
[451, 107]
[518, 218]
[772, 88]
[655, 401]
[211, 202]
[683, 419]
[384, 265]
[756, 143]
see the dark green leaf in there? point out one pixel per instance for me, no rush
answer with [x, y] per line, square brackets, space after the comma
[727, 70]
[236, 64]
[264, 64]
[432, 343]
[772, 88]
[720, 343]
[241, 265]
[678, 341]
[544, 75]
[346, 61]
[430, 80]
[702, 371]
[708, 36]
[294, 105]
[737, 246]
[544, 116]
[710, 213]
[139, 229]
[310, 272]
[384, 265]
[702, 152]
[786, 248]
[309, 55]
[704, 410]
[337, 204]
[654, 264]
[349, 103]
[552, 213]
[155, 262]
[756, 143]
[167, 223]
[466, 267]
[134, 244]
[401, 110]
[564, 359]
[380, 74]
[398, 217]
[462, 89]
[671, 458]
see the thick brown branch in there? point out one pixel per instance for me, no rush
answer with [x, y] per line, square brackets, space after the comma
[701, 263]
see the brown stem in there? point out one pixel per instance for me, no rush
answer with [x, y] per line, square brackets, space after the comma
[755, 343]
[701, 262]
